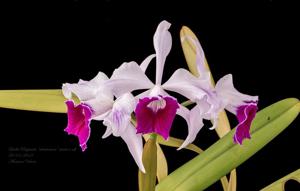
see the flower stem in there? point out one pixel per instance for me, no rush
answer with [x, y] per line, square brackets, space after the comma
[153, 136]
[187, 103]
[147, 181]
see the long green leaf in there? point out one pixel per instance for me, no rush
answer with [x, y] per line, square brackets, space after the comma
[224, 155]
[33, 100]
[279, 184]
[175, 142]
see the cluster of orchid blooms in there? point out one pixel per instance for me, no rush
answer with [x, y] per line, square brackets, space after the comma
[111, 100]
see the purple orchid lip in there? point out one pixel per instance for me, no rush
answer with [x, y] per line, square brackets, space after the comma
[79, 119]
[156, 115]
[245, 115]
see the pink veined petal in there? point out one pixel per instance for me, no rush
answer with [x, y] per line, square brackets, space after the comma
[162, 44]
[92, 93]
[165, 117]
[145, 116]
[127, 78]
[135, 145]
[155, 118]
[79, 118]
[242, 105]
[245, 115]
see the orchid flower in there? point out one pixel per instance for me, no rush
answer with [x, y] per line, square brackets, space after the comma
[156, 109]
[214, 99]
[97, 102]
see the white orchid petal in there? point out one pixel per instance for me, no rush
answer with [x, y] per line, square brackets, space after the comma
[120, 115]
[157, 91]
[126, 102]
[194, 121]
[162, 44]
[144, 65]
[97, 81]
[101, 117]
[195, 125]
[81, 81]
[66, 90]
[100, 105]
[107, 121]
[85, 90]
[135, 145]
[127, 78]
[232, 99]
[143, 94]
[107, 133]
[184, 83]
[215, 123]
[184, 113]
[210, 106]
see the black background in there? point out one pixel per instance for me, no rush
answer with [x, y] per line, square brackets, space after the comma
[47, 43]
